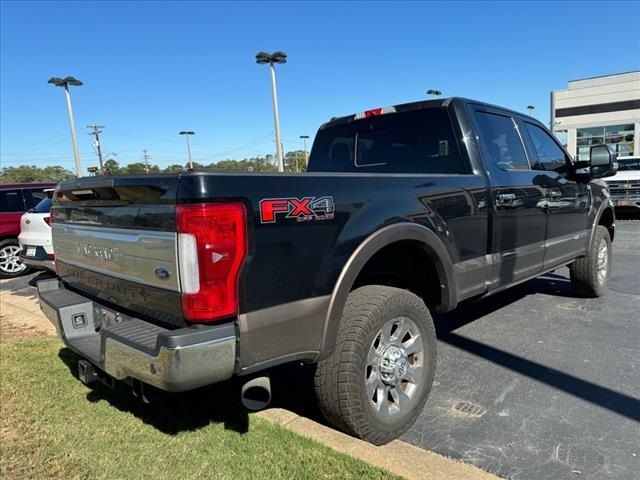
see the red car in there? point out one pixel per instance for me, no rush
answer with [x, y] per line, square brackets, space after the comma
[15, 199]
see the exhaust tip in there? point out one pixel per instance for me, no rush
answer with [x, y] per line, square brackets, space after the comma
[256, 393]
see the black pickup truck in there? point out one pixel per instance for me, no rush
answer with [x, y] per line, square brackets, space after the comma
[184, 280]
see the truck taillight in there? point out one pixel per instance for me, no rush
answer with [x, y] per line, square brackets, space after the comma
[47, 220]
[212, 246]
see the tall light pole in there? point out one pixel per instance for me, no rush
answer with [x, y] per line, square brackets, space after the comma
[65, 82]
[273, 58]
[434, 93]
[530, 108]
[304, 141]
[188, 134]
[97, 130]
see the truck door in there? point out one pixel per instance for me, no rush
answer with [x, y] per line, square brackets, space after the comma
[568, 201]
[519, 208]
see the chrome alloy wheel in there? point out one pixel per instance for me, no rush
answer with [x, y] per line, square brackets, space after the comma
[394, 365]
[602, 261]
[9, 261]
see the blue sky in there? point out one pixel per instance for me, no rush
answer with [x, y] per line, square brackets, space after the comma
[151, 69]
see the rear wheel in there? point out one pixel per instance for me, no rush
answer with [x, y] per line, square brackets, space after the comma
[10, 264]
[378, 378]
[590, 274]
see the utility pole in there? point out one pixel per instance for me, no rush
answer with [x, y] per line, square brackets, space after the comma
[97, 130]
[306, 157]
[146, 158]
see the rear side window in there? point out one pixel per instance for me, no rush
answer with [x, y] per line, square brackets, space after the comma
[11, 201]
[549, 155]
[420, 141]
[501, 140]
[44, 206]
[32, 197]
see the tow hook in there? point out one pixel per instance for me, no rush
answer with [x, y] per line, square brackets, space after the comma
[86, 372]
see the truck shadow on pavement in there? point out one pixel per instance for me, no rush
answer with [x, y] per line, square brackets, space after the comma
[292, 384]
[549, 284]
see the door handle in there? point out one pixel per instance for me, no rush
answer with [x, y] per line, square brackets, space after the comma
[506, 199]
[554, 194]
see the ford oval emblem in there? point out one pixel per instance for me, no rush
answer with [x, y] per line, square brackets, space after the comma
[162, 273]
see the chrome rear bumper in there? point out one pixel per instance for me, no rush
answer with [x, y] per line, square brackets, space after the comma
[127, 347]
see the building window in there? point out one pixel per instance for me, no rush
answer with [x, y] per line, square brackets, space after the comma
[620, 137]
[561, 135]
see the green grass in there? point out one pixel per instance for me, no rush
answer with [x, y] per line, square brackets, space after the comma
[55, 427]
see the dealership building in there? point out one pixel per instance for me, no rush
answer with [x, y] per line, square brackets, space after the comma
[598, 110]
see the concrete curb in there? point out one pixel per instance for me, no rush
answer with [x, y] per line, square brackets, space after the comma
[397, 457]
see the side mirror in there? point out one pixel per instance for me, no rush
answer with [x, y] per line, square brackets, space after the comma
[603, 162]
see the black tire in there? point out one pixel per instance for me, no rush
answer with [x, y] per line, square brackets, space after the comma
[5, 263]
[584, 271]
[340, 379]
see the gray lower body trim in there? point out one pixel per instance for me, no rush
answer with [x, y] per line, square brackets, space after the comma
[282, 333]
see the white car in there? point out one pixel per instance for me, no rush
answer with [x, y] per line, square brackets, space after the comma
[36, 248]
[624, 186]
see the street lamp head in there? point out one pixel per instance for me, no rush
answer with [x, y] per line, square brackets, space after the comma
[275, 57]
[434, 92]
[304, 136]
[279, 57]
[530, 107]
[73, 81]
[187, 133]
[263, 57]
[61, 82]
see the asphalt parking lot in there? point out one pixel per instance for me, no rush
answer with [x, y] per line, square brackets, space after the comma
[536, 383]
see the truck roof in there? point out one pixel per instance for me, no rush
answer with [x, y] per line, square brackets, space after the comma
[403, 107]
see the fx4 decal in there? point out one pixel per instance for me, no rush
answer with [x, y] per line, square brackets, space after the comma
[302, 209]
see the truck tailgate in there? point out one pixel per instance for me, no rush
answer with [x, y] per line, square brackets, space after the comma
[115, 239]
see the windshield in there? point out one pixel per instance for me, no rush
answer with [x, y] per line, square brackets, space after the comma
[44, 206]
[628, 164]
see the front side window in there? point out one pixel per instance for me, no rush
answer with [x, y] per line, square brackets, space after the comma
[419, 141]
[501, 139]
[549, 155]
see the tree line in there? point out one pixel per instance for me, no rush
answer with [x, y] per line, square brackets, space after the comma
[293, 162]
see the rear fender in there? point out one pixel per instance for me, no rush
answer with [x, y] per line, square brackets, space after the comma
[434, 247]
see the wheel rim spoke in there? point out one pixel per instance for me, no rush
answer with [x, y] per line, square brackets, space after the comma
[400, 398]
[413, 374]
[385, 334]
[413, 345]
[383, 400]
[373, 383]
